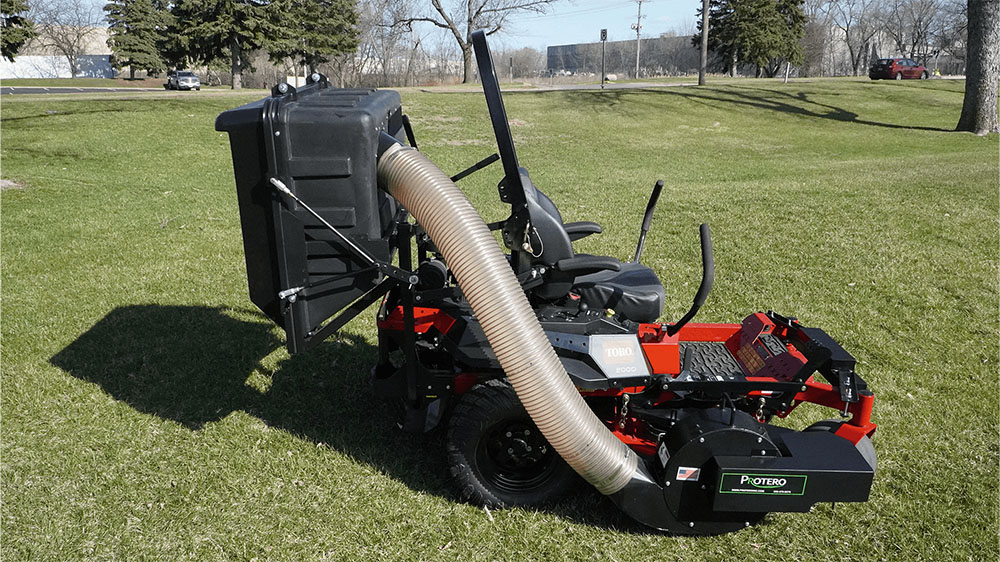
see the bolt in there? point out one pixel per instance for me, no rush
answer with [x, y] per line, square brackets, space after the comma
[528, 448]
[747, 523]
[315, 77]
[508, 434]
[666, 386]
[417, 298]
[277, 133]
[701, 439]
[511, 451]
[283, 88]
[704, 487]
[691, 524]
[803, 390]
[667, 483]
[763, 452]
[760, 439]
[526, 432]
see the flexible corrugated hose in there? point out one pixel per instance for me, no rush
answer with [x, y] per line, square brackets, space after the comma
[513, 331]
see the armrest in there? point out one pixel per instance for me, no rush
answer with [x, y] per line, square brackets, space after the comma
[577, 230]
[583, 264]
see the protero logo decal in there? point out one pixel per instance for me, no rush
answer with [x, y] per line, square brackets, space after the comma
[765, 482]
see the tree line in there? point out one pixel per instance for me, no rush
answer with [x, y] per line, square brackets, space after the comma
[767, 34]
[155, 35]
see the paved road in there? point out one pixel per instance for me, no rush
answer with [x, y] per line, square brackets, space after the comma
[13, 90]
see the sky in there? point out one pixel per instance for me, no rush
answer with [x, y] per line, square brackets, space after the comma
[581, 21]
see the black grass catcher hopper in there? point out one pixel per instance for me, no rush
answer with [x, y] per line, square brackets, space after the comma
[541, 363]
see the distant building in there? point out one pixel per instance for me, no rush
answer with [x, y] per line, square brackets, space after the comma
[660, 56]
[40, 58]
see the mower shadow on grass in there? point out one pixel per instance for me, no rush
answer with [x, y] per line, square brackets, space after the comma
[760, 98]
[192, 365]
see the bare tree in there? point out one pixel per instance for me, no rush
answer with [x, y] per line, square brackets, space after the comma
[66, 27]
[859, 21]
[979, 110]
[816, 40]
[462, 17]
[527, 62]
[909, 23]
[951, 32]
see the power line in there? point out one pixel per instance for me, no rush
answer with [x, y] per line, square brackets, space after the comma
[604, 7]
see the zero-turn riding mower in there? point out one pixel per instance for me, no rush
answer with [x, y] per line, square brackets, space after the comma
[540, 361]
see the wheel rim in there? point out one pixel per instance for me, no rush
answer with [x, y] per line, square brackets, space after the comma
[899, 76]
[515, 458]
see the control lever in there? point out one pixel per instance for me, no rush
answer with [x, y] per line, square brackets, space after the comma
[707, 278]
[647, 219]
[476, 167]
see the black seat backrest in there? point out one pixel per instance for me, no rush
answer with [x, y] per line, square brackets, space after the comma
[549, 240]
[534, 232]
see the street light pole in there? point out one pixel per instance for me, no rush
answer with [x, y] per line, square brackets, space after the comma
[604, 42]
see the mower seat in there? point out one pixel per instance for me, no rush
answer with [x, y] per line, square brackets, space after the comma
[631, 289]
[634, 291]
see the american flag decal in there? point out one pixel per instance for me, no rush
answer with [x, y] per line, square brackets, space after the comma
[688, 473]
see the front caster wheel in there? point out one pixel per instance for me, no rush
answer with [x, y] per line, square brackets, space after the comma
[497, 457]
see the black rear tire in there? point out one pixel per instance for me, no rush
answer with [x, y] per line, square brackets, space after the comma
[923, 75]
[865, 446]
[497, 457]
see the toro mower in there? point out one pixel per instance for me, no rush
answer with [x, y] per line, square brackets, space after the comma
[541, 363]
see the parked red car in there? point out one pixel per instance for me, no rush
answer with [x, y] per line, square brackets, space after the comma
[897, 69]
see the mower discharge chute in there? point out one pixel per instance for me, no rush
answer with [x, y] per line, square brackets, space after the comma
[542, 362]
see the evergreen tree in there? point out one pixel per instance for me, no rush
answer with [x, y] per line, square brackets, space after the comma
[322, 28]
[231, 29]
[135, 31]
[764, 33]
[15, 27]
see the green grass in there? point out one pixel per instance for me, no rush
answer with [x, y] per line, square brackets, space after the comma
[150, 413]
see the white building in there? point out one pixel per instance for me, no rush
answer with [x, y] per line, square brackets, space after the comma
[41, 58]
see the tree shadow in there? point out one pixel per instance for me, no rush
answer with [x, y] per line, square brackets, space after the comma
[193, 365]
[62, 112]
[798, 103]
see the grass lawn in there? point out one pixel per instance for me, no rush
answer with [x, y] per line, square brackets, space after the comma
[151, 413]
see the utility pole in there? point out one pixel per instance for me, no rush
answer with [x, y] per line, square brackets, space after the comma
[637, 26]
[703, 67]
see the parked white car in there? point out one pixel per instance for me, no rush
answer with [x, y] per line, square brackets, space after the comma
[182, 80]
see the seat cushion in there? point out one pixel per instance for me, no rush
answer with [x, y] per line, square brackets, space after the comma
[634, 291]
